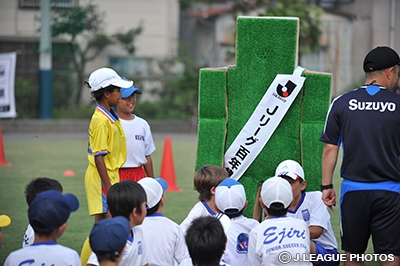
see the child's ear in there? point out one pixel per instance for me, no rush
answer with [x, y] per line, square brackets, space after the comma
[61, 229]
[264, 208]
[246, 204]
[212, 190]
[134, 212]
[303, 185]
[162, 201]
[262, 205]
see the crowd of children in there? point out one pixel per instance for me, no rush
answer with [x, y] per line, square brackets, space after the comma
[127, 204]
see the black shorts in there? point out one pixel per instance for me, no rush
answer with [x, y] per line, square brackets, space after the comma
[371, 212]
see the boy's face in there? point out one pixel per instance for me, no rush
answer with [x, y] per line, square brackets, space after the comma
[297, 186]
[127, 105]
[114, 97]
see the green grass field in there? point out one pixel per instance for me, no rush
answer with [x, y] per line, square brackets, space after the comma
[50, 158]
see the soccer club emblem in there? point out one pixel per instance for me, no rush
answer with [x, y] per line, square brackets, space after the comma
[242, 243]
[306, 215]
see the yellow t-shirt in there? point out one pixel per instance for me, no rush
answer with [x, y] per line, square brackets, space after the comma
[107, 138]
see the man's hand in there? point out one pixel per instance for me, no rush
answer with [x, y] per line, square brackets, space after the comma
[329, 198]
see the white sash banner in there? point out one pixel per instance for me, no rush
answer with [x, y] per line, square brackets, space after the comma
[263, 122]
[7, 76]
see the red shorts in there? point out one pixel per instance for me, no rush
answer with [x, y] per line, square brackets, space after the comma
[134, 174]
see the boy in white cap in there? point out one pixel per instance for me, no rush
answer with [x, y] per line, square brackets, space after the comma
[139, 140]
[48, 215]
[108, 239]
[168, 246]
[309, 207]
[107, 144]
[230, 198]
[278, 239]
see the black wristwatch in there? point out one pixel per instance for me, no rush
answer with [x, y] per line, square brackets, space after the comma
[323, 187]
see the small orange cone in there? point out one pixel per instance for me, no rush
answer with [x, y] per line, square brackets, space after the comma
[69, 173]
[2, 156]
[167, 166]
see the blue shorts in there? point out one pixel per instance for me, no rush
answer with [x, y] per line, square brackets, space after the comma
[323, 251]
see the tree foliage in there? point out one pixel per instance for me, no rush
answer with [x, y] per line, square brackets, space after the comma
[178, 95]
[308, 14]
[83, 28]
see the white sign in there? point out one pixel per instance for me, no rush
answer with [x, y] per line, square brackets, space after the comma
[263, 122]
[7, 77]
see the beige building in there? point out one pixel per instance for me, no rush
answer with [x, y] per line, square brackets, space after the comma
[20, 21]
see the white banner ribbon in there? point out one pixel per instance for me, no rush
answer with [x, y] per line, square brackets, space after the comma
[263, 122]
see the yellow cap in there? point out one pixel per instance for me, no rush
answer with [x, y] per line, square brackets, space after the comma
[4, 220]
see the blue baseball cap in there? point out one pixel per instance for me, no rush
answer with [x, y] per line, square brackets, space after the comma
[126, 92]
[51, 209]
[110, 235]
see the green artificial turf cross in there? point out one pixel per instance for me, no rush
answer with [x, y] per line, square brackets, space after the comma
[266, 46]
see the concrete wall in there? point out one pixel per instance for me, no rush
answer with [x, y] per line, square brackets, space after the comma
[335, 54]
[372, 27]
[16, 22]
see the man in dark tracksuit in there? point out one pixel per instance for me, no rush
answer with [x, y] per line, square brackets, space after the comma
[366, 122]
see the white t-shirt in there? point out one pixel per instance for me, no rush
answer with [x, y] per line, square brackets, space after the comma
[200, 209]
[313, 211]
[29, 236]
[167, 241]
[276, 235]
[135, 251]
[238, 238]
[44, 253]
[139, 141]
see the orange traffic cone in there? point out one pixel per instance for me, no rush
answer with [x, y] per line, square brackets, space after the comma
[2, 156]
[167, 166]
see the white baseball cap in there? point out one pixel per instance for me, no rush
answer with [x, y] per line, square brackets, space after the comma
[291, 169]
[104, 77]
[276, 189]
[230, 195]
[154, 188]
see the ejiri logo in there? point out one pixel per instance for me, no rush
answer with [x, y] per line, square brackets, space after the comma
[285, 91]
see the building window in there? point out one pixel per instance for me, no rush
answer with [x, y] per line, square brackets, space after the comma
[53, 3]
[132, 66]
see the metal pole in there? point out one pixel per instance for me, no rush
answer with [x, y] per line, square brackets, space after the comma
[45, 67]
